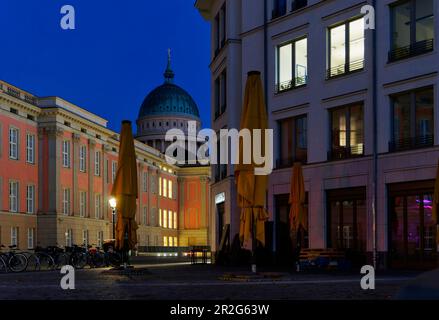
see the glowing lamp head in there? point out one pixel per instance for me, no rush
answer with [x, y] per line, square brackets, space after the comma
[113, 203]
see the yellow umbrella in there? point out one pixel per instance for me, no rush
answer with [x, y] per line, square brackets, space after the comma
[436, 204]
[125, 190]
[297, 199]
[252, 188]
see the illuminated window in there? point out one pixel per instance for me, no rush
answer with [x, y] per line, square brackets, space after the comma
[175, 220]
[160, 186]
[292, 65]
[175, 242]
[346, 47]
[165, 241]
[170, 219]
[171, 241]
[160, 218]
[165, 190]
[165, 219]
[170, 189]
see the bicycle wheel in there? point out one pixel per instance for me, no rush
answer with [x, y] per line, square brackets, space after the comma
[115, 259]
[99, 260]
[62, 260]
[78, 260]
[46, 262]
[33, 263]
[17, 262]
[3, 266]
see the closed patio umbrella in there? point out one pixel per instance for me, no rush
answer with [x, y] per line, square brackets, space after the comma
[298, 219]
[252, 188]
[125, 191]
[297, 199]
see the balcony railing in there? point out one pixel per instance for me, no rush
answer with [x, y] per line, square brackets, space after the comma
[291, 84]
[340, 153]
[18, 94]
[411, 143]
[412, 50]
[345, 69]
[298, 4]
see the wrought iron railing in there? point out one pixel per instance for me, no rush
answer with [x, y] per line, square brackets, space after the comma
[18, 94]
[340, 153]
[290, 84]
[412, 50]
[411, 143]
[345, 68]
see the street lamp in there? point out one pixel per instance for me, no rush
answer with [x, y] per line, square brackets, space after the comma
[113, 204]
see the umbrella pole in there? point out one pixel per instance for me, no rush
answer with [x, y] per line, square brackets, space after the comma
[253, 262]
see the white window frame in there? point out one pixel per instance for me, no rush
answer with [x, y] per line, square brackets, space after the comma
[66, 201]
[30, 148]
[14, 190]
[30, 199]
[82, 203]
[30, 238]
[98, 206]
[100, 239]
[97, 163]
[66, 153]
[145, 181]
[69, 237]
[145, 216]
[14, 138]
[165, 218]
[83, 158]
[14, 236]
[85, 238]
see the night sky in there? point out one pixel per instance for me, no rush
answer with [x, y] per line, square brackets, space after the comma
[113, 59]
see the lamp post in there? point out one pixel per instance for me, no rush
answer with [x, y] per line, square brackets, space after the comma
[113, 204]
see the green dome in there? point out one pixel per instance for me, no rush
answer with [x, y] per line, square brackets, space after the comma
[169, 100]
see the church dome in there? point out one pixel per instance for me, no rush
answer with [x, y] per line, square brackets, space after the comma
[169, 100]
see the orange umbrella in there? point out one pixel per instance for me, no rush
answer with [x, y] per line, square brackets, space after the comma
[297, 199]
[252, 188]
[125, 190]
[436, 204]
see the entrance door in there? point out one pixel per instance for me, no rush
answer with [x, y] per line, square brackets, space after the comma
[412, 227]
[220, 212]
[347, 223]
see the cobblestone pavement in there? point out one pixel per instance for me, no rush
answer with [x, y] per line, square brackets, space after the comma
[199, 282]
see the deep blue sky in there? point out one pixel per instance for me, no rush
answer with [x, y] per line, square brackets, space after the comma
[116, 55]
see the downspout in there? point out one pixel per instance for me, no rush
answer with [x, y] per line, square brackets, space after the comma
[375, 143]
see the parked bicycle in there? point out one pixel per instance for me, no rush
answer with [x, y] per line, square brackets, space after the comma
[16, 262]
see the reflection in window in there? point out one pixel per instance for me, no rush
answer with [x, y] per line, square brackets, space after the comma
[413, 122]
[294, 144]
[347, 132]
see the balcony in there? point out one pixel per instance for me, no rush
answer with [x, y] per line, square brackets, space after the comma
[344, 69]
[291, 84]
[298, 4]
[342, 153]
[13, 92]
[412, 50]
[411, 143]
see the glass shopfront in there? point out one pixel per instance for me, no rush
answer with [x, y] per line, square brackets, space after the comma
[347, 223]
[412, 233]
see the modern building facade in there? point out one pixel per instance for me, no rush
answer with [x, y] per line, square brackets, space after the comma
[356, 106]
[57, 166]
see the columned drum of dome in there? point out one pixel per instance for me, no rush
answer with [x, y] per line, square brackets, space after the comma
[166, 107]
